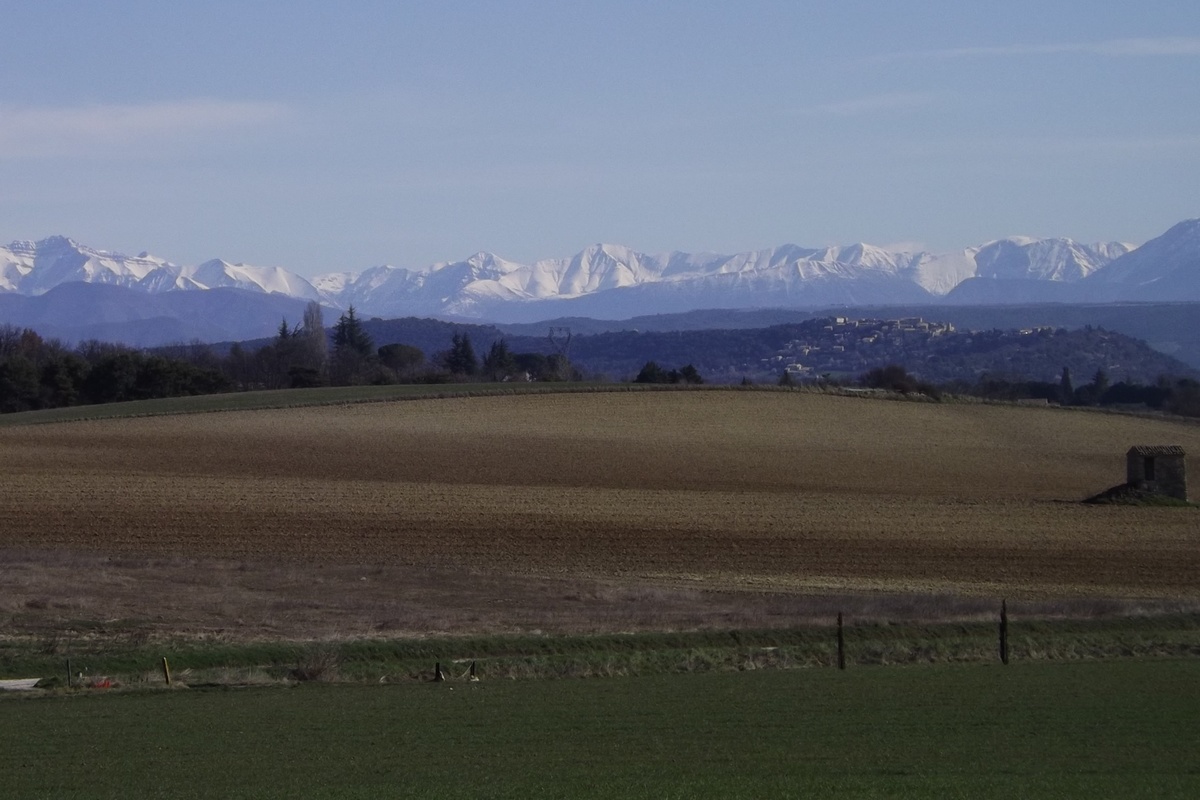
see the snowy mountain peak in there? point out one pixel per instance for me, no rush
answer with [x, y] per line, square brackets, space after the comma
[334, 283]
[217, 273]
[55, 244]
[1167, 266]
[1025, 258]
[487, 265]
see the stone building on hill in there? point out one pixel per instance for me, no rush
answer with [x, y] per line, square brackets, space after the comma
[1161, 469]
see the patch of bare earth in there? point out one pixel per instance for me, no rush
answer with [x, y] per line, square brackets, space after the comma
[580, 513]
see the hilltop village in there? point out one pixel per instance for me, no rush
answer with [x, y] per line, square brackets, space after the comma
[841, 344]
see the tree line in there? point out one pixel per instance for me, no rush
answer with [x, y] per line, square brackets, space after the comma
[1172, 394]
[651, 372]
[38, 373]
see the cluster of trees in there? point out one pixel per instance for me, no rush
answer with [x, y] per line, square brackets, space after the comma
[896, 378]
[297, 357]
[38, 373]
[651, 372]
[307, 355]
[501, 364]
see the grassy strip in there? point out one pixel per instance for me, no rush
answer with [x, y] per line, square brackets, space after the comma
[279, 398]
[1117, 729]
[135, 661]
[353, 395]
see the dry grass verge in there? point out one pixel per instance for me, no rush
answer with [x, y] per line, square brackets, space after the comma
[55, 601]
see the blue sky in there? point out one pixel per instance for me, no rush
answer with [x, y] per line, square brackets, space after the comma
[324, 137]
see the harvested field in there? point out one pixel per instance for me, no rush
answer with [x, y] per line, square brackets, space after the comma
[770, 492]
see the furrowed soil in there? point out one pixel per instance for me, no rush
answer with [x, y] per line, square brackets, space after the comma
[579, 512]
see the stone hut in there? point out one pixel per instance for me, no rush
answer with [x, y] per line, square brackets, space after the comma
[1158, 468]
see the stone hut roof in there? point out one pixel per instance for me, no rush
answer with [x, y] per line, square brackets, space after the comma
[1152, 450]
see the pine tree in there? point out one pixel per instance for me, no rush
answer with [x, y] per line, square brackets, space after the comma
[460, 359]
[282, 355]
[499, 363]
[651, 372]
[353, 349]
[349, 336]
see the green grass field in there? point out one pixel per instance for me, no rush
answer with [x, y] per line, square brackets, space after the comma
[296, 398]
[1081, 729]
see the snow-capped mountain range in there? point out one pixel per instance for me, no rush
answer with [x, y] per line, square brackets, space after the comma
[34, 268]
[616, 282]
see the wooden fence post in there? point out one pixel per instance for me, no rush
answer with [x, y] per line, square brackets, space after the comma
[841, 639]
[166, 669]
[438, 675]
[1004, 631]
[70, 678]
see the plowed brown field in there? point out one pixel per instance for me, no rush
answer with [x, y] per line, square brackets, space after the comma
[717, 489]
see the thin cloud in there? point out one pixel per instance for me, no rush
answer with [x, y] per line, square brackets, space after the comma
[121, 129]
[872, 104]
[1064, 149]
[1154, 144]
[1115, 48]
